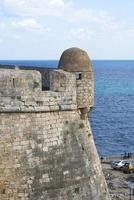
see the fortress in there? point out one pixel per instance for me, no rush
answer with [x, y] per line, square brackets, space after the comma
[47, 151]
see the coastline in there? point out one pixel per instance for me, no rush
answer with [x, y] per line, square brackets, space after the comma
[108, 159]
[117, 181]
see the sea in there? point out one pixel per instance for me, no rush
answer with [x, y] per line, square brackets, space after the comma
[112, 118]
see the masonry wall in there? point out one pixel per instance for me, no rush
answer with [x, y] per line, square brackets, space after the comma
[47, 150]
[48, 156]
[21, 91]
[85, 87]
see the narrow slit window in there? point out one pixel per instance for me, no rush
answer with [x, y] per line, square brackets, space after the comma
[78, 76]
[13, 82]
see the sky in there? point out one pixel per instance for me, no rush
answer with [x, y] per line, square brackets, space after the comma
[43, 29]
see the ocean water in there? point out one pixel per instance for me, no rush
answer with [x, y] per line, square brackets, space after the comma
[112, 119]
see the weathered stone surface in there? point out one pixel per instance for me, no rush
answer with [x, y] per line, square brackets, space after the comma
[47, 150]
[20, 90]
[75, 60]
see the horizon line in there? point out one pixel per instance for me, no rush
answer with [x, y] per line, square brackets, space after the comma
[106, 59]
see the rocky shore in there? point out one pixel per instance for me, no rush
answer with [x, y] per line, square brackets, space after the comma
[117, 182]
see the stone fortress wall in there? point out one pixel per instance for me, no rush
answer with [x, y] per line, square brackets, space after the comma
[47, 150]
[21, 90]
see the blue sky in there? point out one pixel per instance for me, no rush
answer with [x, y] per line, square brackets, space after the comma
[43, 29]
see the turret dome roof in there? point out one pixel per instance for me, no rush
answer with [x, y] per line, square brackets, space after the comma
[75, 60]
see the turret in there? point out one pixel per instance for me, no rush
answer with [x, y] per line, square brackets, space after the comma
[77, 61]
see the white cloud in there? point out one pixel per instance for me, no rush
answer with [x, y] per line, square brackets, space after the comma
[27, 24]
[57, 2]
[2, 26]
[101, 18]
[35, 7]
[130, 32]
[81, 33]
[15, 36]
[60, 8]
[70, 24]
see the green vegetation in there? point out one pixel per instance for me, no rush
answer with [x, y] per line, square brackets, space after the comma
[81, 125]
[35, 84]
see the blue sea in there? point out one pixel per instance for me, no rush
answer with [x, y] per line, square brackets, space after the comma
[112, 118]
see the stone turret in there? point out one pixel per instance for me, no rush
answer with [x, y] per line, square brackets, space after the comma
[77, 61]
